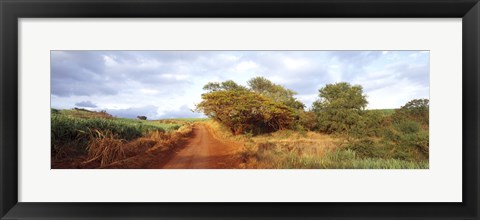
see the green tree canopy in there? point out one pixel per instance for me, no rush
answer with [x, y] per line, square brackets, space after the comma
[275, 92]
[340, 107]
[416, 109]
[243, 110]
[227, 85]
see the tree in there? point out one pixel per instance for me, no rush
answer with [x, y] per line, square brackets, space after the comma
[142, 117]
[261, 107]
[416, 109]
[275, 92]
[227, 85]
[417, 105]
[243, 110]
[340, 107]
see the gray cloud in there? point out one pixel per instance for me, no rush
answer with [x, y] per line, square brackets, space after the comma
[359, 58]
[88, 73]
[86, 104]
[416, 73]
[78, 73]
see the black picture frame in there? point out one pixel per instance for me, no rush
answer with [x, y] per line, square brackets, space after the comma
[12, 10]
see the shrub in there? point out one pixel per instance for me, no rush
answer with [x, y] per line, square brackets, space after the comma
[364, 148]
[408, 127]
[369, 124]
[417, 142]
[416, 110]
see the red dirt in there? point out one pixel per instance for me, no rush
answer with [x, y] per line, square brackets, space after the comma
[202, 151]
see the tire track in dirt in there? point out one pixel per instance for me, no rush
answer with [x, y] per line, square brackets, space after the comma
[203, 151]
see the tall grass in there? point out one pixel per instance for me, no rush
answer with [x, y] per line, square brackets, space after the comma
[338, 159]
[71, 135]
[347, 159]
[106, 150]
[153, 147]
[88, 139]
[105, 147]
[153, 123]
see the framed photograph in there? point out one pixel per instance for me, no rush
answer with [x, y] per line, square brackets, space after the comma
[236, 109]
[228, 109]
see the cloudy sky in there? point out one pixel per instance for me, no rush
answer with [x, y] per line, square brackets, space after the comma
[168, 84]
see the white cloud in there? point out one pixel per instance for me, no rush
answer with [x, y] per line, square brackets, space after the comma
[175, 76]
[396, 95]
[149, 91]
[245, 65]
[296, 63]
[109, 61]
[229, 57]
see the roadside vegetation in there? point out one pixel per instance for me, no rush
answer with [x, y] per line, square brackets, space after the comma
[87, 139]
[336, 132]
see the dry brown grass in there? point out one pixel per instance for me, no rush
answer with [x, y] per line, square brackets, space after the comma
[144, 143]
[221, 134]
[105, 148]
[152, 149]
[267, 150]
[108, 151]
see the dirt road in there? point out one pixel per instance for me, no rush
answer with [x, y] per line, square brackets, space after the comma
[203, 151]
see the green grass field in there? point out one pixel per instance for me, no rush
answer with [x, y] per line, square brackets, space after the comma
[152, 123]
[170, 124]
[186, 119]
